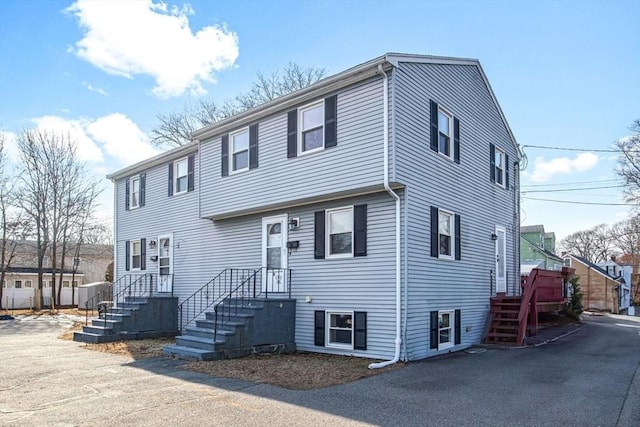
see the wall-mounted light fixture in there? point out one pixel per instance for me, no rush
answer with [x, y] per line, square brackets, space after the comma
[494, 236]
[154, 258]
[294, 223]
[153, 244]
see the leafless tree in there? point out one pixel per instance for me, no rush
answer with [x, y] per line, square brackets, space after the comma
[595, 244]
[174, 129]
[56, 194]
[10, 219]
[629, 163]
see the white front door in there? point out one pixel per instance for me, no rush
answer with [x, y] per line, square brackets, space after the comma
[165, 263]
[501, 260]
[274, 254]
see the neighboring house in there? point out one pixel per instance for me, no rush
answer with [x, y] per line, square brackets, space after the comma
[618, 270]
[537, 249]
[20, 283]
[92, 261]
[388, 192]
[600, 289]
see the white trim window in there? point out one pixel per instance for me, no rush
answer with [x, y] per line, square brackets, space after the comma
[311, 129]
[134, 195]
[4, 284]
[446, 234]
[46, 283]
[75, 284]
[340, 232]
[445, 132]
[180, 176]
[66, 284]
[499, 165]
[340, 329]
[239, 156]
[136, 254]
[28, 284]
[446, 329]
[17, 284]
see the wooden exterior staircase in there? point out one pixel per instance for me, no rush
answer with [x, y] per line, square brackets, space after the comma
[515, 317]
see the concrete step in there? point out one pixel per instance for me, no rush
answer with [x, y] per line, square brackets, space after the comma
[100, 330]
[190, 353]
[207, 332]
[199, 342]
[95, 338]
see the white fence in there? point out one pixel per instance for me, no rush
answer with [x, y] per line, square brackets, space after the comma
[19, 298]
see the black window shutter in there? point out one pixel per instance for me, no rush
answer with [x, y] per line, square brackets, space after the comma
[143, 254]
[458, 327]
[127, 256]
[330, 121]
[127, 192]
[318, 336]
[434, 125]
[456, 140]
[458, 240]
[319, 237]
[433, 341]
[360, 230]
[434, 232]
[492, 162]
[143, 191]
[190, 172]
[506, 170]
[292, 134]
[360, 330]
[170, 179]
[253, 146]
[224, 155]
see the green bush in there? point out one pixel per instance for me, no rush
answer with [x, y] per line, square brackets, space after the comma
[574, 307]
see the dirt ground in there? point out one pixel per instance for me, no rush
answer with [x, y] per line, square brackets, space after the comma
[298, 371]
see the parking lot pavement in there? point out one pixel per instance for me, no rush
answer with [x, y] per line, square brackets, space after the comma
[587, 378]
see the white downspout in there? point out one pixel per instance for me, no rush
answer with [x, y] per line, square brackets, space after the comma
[385, 137]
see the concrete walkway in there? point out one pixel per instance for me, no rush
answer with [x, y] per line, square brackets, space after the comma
[587, 378]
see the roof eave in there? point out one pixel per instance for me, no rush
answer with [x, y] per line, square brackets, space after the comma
[154, 161]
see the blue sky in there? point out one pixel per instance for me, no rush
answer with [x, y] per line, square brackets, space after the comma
[566, 73]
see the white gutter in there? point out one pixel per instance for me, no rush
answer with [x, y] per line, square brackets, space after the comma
[385, 137]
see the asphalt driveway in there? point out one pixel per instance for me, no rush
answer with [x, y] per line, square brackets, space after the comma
[588, 378]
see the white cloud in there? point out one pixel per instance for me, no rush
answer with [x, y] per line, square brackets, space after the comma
[128, 38]
[121, 138]
[544, 170]
[10, 141]
[94, 89]
[74, 129]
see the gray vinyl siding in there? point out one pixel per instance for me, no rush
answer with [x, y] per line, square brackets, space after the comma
[163, 214]
[465, 189]
[352, 284]
[355, 162]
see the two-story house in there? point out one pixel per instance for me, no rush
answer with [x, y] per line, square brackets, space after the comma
[537, 249]
[382, 201]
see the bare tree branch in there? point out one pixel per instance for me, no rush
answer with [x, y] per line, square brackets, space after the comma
[174, 129]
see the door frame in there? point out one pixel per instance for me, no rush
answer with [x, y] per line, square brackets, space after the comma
[283, 219]
[501, 284]
[161, 287]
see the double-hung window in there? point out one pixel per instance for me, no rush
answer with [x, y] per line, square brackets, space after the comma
[28, 284]
[17, 284]
[239, 151]
[445, 131]
[181, 172]
[340, 330]
[500, 164]
[499, 169]
[66, 283]
[135, 254]
[445, 234]
[134, 195]
[311, 127]
[340, 232]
